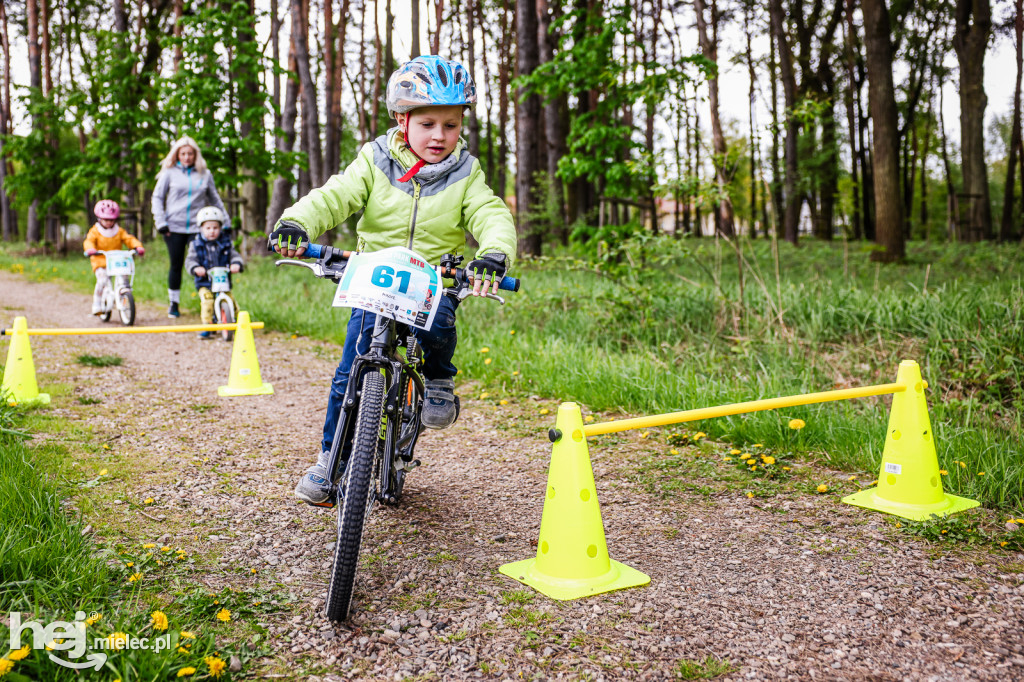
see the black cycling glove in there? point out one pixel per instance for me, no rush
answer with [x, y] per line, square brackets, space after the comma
[490, 266]
[287, 235]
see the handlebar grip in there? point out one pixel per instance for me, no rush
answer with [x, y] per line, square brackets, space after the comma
[509, 284]
[313, 250]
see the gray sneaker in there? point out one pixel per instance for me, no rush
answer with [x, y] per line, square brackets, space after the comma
[440, 406]
[313, 487]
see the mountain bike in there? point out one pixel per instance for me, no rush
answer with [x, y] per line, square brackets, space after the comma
[118, 291]
[223, 304]
[380, 414]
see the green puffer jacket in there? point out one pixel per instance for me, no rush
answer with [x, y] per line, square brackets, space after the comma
[428, 214]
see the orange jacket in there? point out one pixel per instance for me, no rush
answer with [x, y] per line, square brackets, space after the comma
[96, 240]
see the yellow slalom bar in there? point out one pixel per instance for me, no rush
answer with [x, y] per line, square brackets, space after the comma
[740, 408]
[134, 330]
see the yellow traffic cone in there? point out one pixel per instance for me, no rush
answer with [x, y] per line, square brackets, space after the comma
[19, 384]
[909, 484]
[572, 555]
[244, 377]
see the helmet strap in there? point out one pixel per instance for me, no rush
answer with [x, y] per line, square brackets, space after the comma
[413, 171]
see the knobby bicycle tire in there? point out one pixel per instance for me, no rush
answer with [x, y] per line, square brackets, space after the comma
[359, 495]
[226, 313]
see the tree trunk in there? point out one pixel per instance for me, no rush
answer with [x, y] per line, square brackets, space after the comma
[331, 142]
[435, 47]
[752, 104]
[378, 66]
[776, 186]
[882, 102]
[254, 188]
[504, 67]
[793, 200]
[709, 47]
[310, 106]
[527, 122]
[8, 217]
[851, 120]
[474, 122]
[1006, 231]
[33, 231]
[284, 142]
[275, 56]
[970, 41]
[414, 19]
[554, 135]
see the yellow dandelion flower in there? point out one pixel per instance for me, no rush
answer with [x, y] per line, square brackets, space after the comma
[822, 488]
[757, 445]
[185, 672]
[750, 494]
[943, 472]
[5, 666]
[130, 564]
[944, 531]
[487, 361]
[20, 654]
[165, 549]
[159, 620]
[734, 451]
[852, 478]
[963, 465]
[215, 665]
[899, 525]
[1004, 543]
[643, 435]
[673, 451]
[94, 618]
[796, 424]
[182, 650]
[728, 459]
[224, 616]
[103, 472]
[515, 373]
[981, 473]
[753, 468]
[106, 447]
[134, 577]
[148, 545]
[768, 459]
[589, 418]
[252, 570]
[485, 349]
[1018, 520]
[295, 336]
[484, 396]
[117, 641]
[786, 468]
[148, 500]
[185, 634]
[745, 456]
[699, 435]
[545, 411]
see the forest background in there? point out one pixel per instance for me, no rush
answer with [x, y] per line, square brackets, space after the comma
[593, 113]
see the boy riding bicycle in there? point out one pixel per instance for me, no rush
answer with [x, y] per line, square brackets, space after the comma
[419, 188]
[210, 248]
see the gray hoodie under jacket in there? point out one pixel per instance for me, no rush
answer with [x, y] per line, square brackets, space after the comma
[179, 194]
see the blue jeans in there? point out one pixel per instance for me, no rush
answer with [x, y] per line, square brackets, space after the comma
[438, 350]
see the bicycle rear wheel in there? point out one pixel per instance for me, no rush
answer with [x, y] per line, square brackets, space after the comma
[109, 303]
[226, 315]
[126, 308]
[359, 496]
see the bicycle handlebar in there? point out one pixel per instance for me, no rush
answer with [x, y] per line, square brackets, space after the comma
[330, 254]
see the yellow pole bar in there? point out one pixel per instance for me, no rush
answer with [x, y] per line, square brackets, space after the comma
[740, 408]
[133, 330]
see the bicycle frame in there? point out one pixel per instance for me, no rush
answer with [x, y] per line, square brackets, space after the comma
[383, 357]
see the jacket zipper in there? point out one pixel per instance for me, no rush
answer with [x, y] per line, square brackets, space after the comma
[415, 206]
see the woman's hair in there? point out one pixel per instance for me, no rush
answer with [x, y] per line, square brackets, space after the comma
[172, 156]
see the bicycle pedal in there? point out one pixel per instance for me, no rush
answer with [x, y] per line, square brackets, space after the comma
[324, 505]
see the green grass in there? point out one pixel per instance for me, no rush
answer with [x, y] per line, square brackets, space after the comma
[664, 328]
[708, 669]
[100, 360]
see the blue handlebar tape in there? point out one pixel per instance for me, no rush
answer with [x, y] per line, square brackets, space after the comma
[509, 284]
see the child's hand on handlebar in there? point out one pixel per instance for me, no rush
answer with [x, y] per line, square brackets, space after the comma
[288, 239]
[487, 270]
[236, 268]
[199, 271]
[91, 252]
[141, 251]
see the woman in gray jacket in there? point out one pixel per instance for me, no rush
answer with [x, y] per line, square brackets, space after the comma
[183, 186]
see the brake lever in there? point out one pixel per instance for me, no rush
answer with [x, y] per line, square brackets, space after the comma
[465, 293]
[315, 266]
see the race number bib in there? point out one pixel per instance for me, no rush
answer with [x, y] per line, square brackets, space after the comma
[119, 263]
[219, 280]
[393, 282]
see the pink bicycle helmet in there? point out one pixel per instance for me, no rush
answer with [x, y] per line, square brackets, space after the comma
[106, 209]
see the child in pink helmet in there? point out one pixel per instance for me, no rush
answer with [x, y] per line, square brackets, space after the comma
[106, 235]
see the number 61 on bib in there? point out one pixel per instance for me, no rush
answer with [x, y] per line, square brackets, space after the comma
[393, 282]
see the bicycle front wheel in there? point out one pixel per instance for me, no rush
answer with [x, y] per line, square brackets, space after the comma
[126, 308]
[359, 496]
[109, 303]
[226, 315]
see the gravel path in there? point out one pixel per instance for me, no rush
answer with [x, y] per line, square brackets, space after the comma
[797, 587]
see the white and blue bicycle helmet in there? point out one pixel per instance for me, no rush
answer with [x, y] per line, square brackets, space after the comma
[429, 81]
